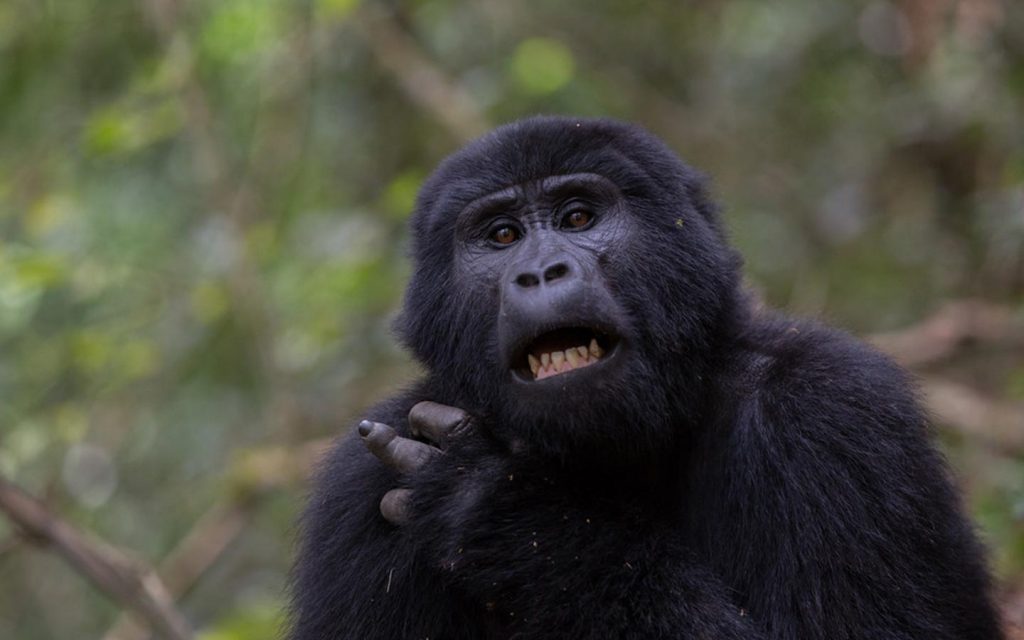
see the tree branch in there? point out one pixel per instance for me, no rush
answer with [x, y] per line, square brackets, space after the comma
[423, 82]
[998, 424]
[954, 326]
[198, 550]
[253, 475]
[127, 581]
[940, 337]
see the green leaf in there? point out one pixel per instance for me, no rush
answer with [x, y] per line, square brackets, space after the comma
[256, 622]
[542, 65]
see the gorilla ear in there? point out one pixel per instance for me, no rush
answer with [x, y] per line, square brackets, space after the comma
[403, 326]
[698, 190]
[400, 328]
[409, 325]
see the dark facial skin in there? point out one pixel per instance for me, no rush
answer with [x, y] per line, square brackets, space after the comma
[541, 245]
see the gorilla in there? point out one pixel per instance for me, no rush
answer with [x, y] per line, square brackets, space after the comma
[610, 440]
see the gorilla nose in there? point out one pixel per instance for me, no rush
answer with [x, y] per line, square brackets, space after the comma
[549, 275]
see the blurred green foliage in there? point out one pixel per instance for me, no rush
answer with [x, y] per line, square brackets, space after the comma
[202, 210]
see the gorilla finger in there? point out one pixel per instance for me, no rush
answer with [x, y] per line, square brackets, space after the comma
[394, 506]
[439, 422]
[397, 452]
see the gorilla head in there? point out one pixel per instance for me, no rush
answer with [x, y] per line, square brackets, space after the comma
[568, 274]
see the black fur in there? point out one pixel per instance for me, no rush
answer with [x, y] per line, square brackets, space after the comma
[754, 476]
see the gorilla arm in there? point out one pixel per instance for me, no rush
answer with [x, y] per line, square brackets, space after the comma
[826, 510]
[546, 560]
[358, 576]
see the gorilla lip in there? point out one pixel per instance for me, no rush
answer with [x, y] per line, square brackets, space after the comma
[562, 351]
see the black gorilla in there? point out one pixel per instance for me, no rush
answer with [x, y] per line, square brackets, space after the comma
[615, 443]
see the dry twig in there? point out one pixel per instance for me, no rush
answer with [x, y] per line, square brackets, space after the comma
[419, 77]
[997, 424]
[199, 549]
[956, 325]
[127, 581]
[942, 336]
[253, 475]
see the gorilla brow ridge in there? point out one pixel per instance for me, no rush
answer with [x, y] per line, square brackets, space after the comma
[512, 193]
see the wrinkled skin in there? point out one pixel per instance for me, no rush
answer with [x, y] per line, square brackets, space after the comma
[609, 442]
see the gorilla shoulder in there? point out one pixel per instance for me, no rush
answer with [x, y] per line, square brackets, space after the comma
[807, 373]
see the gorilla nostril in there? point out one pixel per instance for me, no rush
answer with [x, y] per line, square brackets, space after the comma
[527, 280]
[554, 272]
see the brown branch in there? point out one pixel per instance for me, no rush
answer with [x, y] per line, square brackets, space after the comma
[252, 476]
[198, 551]
[956, 325]
[998, 424]
[9, 544]
[940, 337]
[206, 541]
[419, 77]
[1013, 613]
[125, 580]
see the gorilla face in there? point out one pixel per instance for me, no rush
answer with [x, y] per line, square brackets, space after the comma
[541, 246]
[551, 259]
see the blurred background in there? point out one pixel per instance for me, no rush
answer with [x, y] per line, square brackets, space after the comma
[202, 241]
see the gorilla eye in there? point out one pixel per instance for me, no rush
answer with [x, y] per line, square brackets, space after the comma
[577, 219]
[505, 235]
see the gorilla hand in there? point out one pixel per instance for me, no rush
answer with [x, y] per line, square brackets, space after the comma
[436, 422]
[501, 524]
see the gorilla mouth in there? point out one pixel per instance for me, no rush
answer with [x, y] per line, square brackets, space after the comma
[562, 351]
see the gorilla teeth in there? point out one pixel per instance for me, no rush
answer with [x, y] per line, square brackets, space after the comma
[573, 357]
[556, 362]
